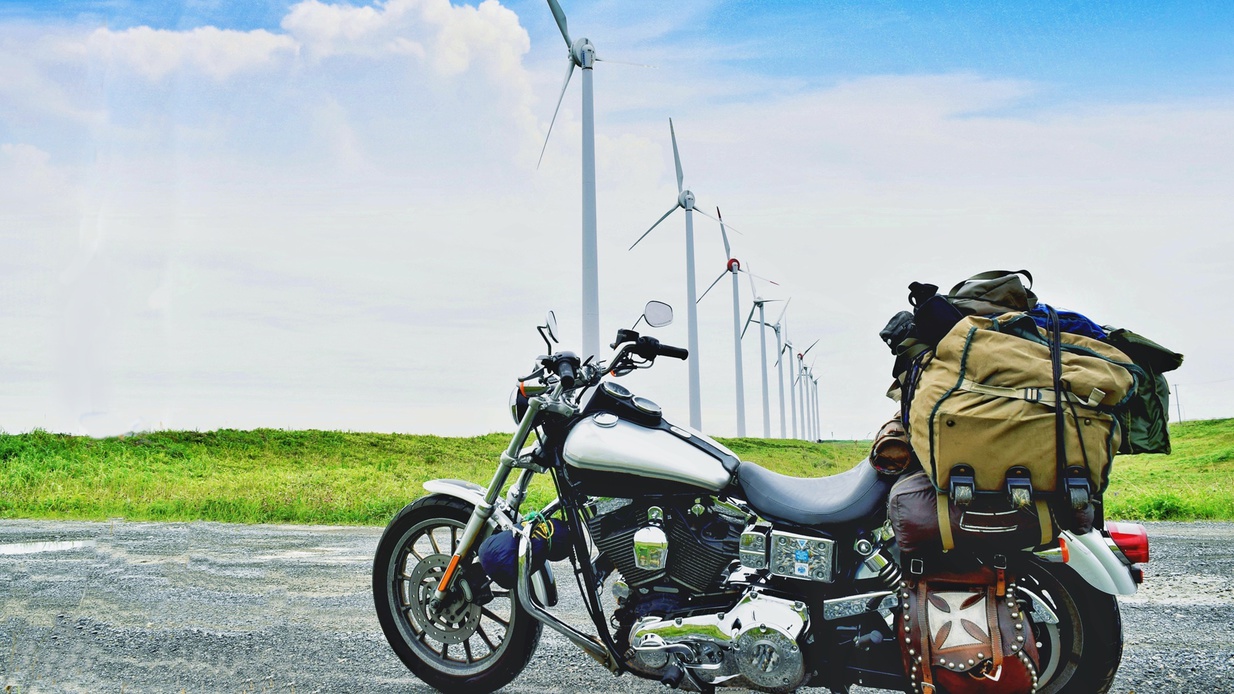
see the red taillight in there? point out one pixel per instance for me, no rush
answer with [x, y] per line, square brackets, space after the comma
[1131, 538]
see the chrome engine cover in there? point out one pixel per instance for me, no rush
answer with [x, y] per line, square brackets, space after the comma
[754, 645]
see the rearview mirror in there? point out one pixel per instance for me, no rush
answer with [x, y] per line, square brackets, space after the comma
[658, 314]
[551, 325]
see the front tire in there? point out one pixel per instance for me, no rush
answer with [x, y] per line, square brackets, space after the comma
[1080, 654]
[481, 639]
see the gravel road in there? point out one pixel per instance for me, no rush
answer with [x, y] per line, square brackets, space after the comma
[209, 607]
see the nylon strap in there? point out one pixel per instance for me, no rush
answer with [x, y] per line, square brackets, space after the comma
[1046, 521]
[944, 521]
[1044, 396]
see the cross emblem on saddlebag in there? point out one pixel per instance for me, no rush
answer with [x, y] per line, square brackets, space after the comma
[957, 619]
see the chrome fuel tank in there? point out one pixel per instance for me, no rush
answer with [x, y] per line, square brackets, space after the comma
[605, 443]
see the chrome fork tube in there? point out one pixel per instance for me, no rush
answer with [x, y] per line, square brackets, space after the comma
[483, 511]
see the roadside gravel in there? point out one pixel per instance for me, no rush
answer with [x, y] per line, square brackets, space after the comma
[208, 607]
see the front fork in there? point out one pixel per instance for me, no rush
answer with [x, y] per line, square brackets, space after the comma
[484, 510]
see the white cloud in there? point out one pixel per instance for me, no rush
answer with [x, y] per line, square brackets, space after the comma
[346, 204]
[452, 39]
[219, 53]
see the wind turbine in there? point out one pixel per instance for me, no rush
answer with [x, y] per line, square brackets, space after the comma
[685, 201]
[787, 349]
[759, 305]
[583, 55]
[818, 421]
[733, 267]
[778, 328]
[805, 402]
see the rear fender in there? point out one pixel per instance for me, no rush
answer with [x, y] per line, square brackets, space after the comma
[1090, 557]
[542, 582]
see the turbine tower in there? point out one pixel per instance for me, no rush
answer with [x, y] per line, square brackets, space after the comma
[583, 55]
[760, 305]
[798, 385]
[685, 201]
[778, 329]
[733, 267]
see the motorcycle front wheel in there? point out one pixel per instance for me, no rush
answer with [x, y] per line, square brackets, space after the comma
[1080, 654]
[480, 637]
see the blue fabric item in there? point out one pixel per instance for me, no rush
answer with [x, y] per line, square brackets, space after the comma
[1068, 322]
[550, 541]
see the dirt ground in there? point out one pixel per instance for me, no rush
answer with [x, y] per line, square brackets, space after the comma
[208, 607]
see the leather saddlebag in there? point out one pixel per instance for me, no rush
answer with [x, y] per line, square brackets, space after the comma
[966, 633]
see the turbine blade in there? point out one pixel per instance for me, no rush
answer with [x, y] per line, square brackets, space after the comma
[783, 310]
[750, 276]
[807, 351]
[653, 226]
[728, 253]
[749, 319]
[728, 226]
[564, 85]
[722, 274]
[560, 16]
[760, 277]
[676, 156]
[623, 62]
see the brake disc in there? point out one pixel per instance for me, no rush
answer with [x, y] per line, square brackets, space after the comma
[456, 617]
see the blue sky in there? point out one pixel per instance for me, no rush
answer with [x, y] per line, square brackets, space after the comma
[291, 214]
[1080, 50]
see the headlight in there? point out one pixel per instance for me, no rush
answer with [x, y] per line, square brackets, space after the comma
[518, 404]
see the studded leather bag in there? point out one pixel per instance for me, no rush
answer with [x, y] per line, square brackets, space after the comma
[966, 634]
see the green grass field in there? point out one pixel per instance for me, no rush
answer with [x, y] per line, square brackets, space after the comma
[272, 476]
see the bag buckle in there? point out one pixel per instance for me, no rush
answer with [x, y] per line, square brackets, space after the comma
[963, 485]
[1020, 487]
[1078, 491]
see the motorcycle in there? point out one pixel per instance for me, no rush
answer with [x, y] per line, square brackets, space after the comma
[722, 573]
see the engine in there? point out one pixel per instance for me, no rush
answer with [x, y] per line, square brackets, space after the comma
[675, 543]
[686, 608]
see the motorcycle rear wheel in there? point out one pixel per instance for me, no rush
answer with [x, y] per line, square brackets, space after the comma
[466, 646]
[1080, 654]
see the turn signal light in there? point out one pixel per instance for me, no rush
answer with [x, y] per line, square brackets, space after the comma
[1131, 538]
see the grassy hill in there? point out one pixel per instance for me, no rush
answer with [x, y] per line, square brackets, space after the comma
[273, 476]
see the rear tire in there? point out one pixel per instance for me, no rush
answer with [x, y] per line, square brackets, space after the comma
[466, 647]
[1081, 654]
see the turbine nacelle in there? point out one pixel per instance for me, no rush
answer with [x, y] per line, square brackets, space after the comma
[686, 199]
[734, 265]
[583, 53]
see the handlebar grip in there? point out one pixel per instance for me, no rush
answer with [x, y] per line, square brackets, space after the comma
[566, 371]
[673, 352]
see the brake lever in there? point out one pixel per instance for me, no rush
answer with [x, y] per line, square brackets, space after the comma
[534, 374]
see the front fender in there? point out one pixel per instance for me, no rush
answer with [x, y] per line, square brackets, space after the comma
[542, 581]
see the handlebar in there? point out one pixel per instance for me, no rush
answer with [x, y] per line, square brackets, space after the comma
[674, 352]
[565, 365]
[566, 371]
[649, 348]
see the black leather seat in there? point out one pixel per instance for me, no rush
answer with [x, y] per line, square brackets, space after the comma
[840, 498]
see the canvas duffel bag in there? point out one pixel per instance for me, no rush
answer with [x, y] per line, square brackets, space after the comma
[984, 416]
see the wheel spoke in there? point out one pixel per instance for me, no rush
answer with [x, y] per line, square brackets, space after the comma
[467, 651]
[484, 635]
[453, 539]
[433, 540]
[445, 651]
[493, 616]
